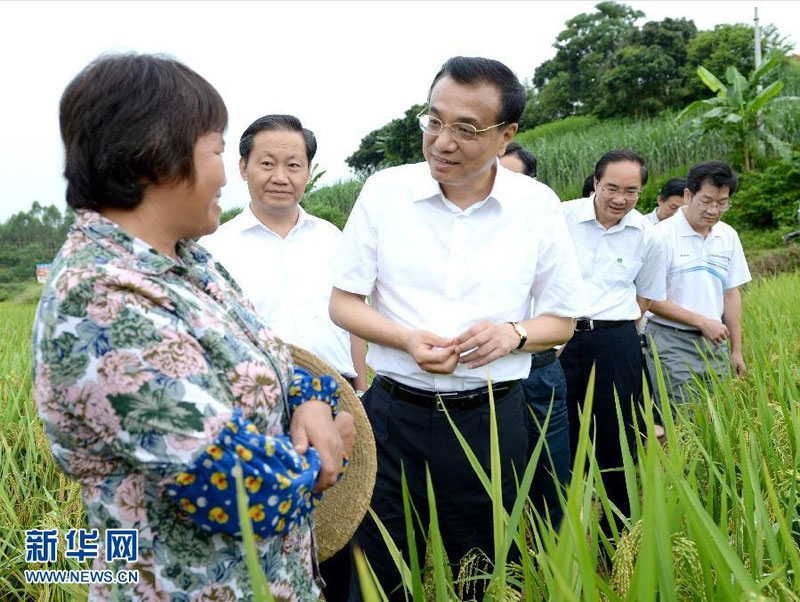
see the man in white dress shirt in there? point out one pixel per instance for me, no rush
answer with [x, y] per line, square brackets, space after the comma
[623, 270]
[705, 268]
[451, 253]
[669, 200]
[280, 256]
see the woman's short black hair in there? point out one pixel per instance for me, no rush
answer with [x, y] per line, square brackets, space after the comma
[527, 157]
[718, 173]
[468, 70]
[131, 120]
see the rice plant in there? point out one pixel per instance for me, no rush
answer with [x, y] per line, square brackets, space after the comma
[714, 513]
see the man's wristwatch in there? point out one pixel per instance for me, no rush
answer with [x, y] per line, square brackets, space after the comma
[359, 393]
[523, 334]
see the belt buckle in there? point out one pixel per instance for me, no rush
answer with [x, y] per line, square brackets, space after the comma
[441, 397]
[579, 328]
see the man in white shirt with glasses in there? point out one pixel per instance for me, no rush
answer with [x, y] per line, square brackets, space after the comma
[623, 271]
[702, 313]
[451, 252]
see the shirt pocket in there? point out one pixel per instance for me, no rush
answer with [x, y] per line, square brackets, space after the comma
[622, 272]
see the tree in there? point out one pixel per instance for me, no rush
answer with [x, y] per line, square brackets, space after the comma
[724, 46]
[738, 108]
[582, 52]
[396, 143]
[638, 83]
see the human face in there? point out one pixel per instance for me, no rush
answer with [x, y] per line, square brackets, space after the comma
[197, 213]
[620, 175]
[512, 162]
[276, 173]
[465, 169]
[669, 206]
[702, 208]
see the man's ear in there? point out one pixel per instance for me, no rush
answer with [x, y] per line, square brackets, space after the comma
[508, 136]
[243, 168]
[687, 196]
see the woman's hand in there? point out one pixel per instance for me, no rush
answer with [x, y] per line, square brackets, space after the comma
[312, 424]
[347, 430]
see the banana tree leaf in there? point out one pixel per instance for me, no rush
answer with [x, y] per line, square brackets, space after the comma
[710, 80]
[766, 95]
[767, 66]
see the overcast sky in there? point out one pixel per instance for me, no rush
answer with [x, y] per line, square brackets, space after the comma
[343, 68]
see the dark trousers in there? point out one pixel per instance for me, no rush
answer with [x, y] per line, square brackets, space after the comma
[546, 391]
[616, 353]
[417, 438]
[335, 572]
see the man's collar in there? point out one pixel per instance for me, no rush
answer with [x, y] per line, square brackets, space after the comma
[135, 253]
[247, 219]
[424, 188]
[632, 219]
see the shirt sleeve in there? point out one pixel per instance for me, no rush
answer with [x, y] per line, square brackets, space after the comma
[355, 265]
[558, 285]
[651, 281]
[739, 272]
[278, 482]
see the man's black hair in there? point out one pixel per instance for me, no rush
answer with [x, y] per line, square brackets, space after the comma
[716, 172]
[617, 156]
[527, 157]
[288, 123]
[673, 187]
[468, 70]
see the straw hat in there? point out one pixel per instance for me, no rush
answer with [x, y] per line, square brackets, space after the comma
[344, 505]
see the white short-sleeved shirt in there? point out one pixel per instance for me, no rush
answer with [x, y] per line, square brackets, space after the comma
[426, 264]
[700, 270]
[617, 264]
[652, 217]
[287, 279]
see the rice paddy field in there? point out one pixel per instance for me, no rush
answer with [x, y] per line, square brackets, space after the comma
[715, 515]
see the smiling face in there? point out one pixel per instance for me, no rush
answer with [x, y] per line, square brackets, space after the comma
[611, 203]
[465, 169]
[276, 172]
[198, 210]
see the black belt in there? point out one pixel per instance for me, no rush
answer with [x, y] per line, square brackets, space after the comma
[543, 358]
[693, 331]
[587, 324]
[450, 400]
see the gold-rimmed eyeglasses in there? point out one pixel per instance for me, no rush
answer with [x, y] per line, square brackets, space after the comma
[460, 131]
[722, 206]
[629, 194]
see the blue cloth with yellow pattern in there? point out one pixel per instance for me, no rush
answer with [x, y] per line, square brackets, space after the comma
[278, 481]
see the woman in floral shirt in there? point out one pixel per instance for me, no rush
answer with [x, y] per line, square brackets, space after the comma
[144, 349]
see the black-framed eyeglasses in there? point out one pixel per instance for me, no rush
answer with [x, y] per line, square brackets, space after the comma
[460, 131]
[629, 194]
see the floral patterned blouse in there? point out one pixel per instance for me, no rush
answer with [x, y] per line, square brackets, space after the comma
[139, 362]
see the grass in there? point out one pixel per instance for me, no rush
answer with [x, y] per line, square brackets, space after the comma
[715, 515]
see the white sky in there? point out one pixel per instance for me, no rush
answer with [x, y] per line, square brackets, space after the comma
[343, 68]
